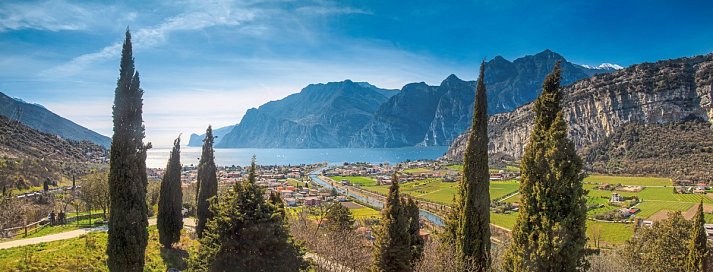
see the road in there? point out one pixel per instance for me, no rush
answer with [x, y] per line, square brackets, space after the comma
[187, 222]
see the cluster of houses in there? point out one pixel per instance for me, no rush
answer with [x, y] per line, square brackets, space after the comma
[305, 196]
[692, 188]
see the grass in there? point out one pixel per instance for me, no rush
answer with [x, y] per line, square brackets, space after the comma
[364, 213]
[611, 233]
[294, 182]
[435, 190]
[87, 253]
[638, 181]
[417, 170]
[649, 208]
[457, 167]
[503, 220]
[362, 181]
[47, 229]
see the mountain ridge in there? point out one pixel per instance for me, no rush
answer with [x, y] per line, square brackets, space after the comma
[42, 119]
[663, 92]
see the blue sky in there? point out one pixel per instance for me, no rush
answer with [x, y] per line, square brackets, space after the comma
[207, 62]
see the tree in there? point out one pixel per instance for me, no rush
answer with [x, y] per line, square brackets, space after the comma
[469, 222]
[95, 191]
[170, 219]
[550, 233]
[393, 252]
[247, 233]
[414, 229]
[207, 182]
[128, 234]
[661, 247]
[339, 218]
[696, 260]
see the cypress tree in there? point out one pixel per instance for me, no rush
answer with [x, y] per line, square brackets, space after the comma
[696, 260]
[127, 177]
[339, 218]
[170, 219]
[471, 224]
[414, 229]
[247, 233]
[550, 231]
[393, 253]
[207, 182]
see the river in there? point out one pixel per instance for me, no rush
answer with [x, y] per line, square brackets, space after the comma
[371, 201]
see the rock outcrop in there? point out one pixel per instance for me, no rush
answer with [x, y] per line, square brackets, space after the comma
[595, 108]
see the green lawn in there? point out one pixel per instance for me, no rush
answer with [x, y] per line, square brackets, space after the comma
[639, 181]
[87, 253]
[362, 181]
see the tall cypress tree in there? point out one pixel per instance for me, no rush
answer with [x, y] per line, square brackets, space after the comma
[472, 223]
[207, 182]
[247, 233]
[414, 229]
[127, 177]
[696, 260]
[550, 231]
[170, 219]
[393, 253]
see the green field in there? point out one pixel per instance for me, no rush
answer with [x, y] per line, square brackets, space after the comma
[435, 190]
[87, 253]
[364, 213]
[649, 208]
[639, 181]
[362, 181]
[503, 220]
[611, 233]
[417, 170]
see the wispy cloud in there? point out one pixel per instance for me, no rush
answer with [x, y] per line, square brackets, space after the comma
[52, 15]
[322, 10]
[215, 14]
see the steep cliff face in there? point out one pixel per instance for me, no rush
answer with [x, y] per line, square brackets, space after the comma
[510, 85]
[320, 116]
[595, 108]
[453, 113]
[402, 120]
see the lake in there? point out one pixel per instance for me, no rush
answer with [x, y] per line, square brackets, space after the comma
[158, 157]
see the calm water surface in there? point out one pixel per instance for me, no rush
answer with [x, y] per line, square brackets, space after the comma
[158, 157]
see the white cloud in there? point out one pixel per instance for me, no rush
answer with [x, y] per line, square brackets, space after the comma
[322, 10]
[204, 16]
[51, 15]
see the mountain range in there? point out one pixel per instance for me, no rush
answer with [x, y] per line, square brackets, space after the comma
[42, 119]
[357, 114]
[654, 118]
